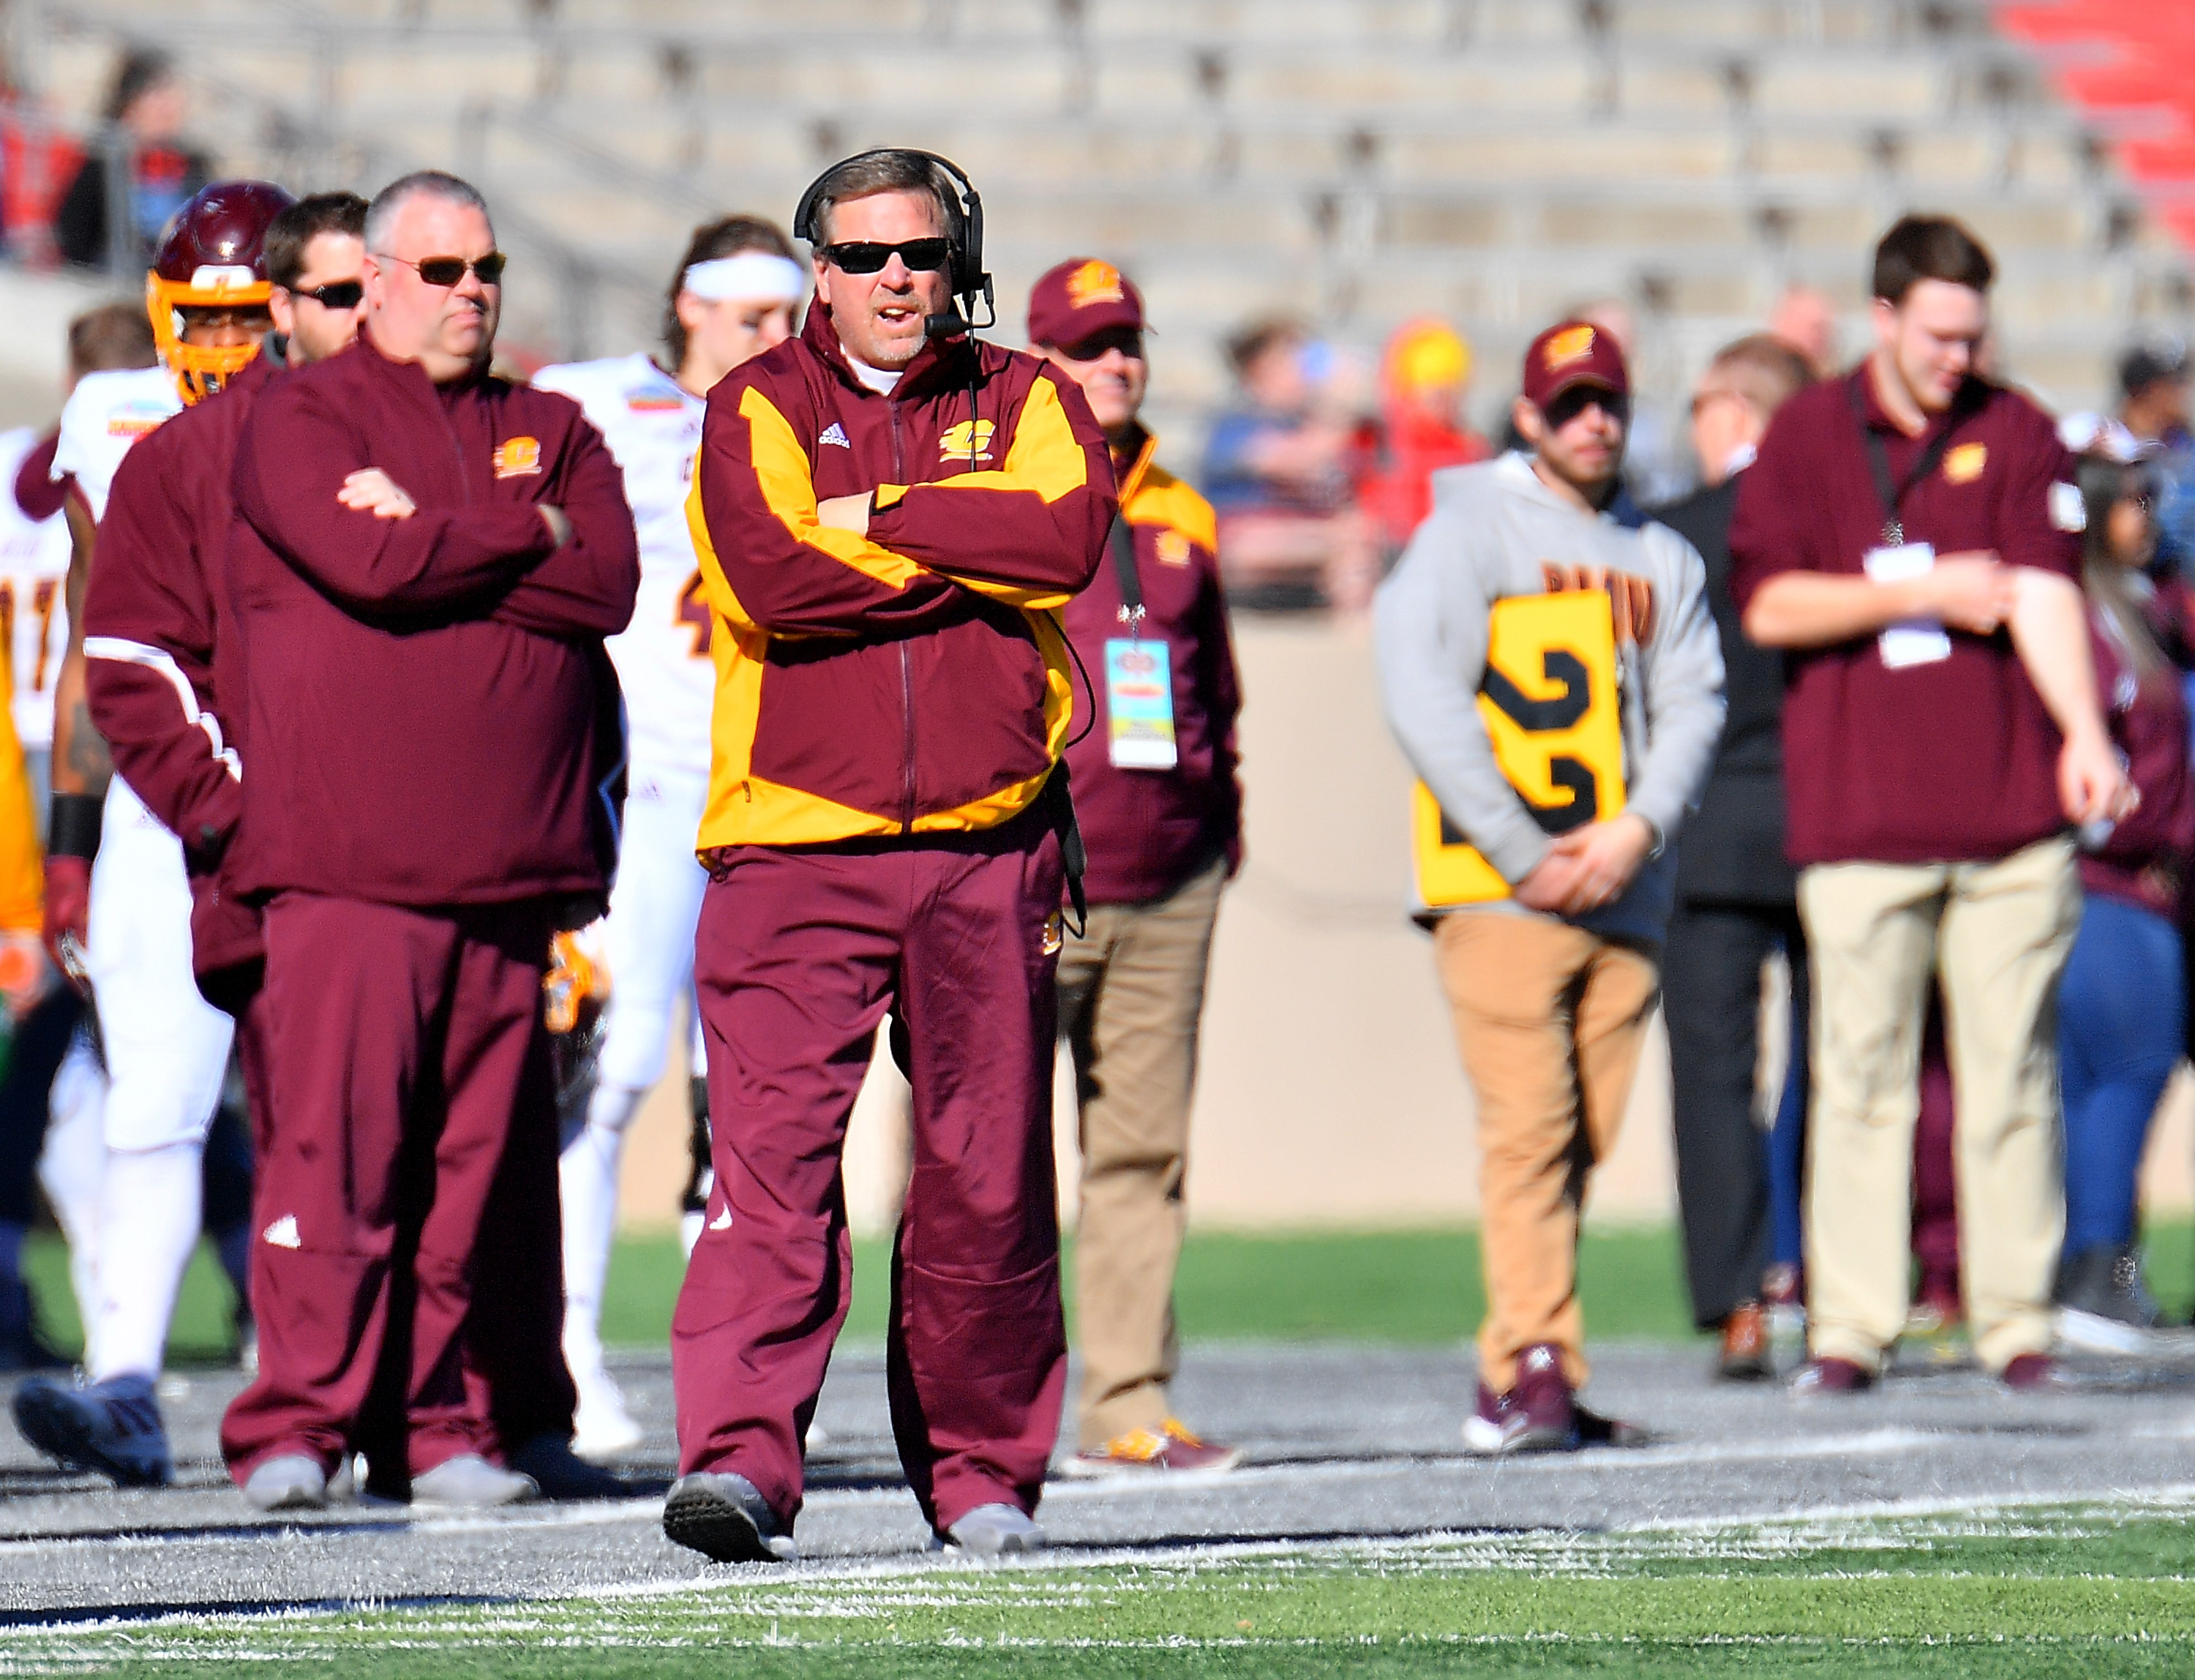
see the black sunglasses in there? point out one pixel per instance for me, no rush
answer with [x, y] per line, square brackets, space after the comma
[335, 295]
[864, 256]
[450, 270]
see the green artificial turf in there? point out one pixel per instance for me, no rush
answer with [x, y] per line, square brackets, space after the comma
[2092, 1591]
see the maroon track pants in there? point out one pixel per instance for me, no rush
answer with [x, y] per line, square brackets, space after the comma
[413, 1120]
[799, 955]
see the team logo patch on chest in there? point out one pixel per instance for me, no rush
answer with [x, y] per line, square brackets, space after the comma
[969, 441]
[1964, 465]
[518, 458]
[1173, 548]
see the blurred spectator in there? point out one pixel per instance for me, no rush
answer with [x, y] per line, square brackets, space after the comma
[2153, 409]
[1737, 896]
[1807, 320]
[1546, 924]
[1423, 377]
[1160, 810]
[2122, 1004]
[1276, 467]
[148, 108]
[1897, 522]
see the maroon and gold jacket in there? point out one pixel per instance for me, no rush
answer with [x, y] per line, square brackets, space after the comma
[428, 714]
[159, 647]
[915, 679]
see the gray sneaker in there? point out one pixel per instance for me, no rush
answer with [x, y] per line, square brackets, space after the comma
[287, 1482]
[993, 1531]
[469, 1482]
[112, 1427]
[724, 1517]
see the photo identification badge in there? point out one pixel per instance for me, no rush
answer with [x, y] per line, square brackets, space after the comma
[1139, 704]
[1920, 641]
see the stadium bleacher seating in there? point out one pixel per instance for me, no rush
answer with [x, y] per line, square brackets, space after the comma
[1354, 161]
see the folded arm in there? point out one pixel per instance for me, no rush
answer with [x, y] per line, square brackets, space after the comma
[1031, 533]
[586, 587]
[291, 467]
[768, 560]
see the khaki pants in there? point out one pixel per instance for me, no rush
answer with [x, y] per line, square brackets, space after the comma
[1549, 1018]
[1131, 992]
[1999, 934]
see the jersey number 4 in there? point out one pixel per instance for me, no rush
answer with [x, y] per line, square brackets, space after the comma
[694, 610]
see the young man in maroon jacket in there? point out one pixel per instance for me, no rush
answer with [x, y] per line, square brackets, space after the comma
[426, 561]
[888, 515]
[1160, 810]
[1908, 536]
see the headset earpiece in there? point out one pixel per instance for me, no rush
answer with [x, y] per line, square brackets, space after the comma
[968, 278]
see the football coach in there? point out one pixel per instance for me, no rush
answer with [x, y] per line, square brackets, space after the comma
[426, 563]
[888, 515]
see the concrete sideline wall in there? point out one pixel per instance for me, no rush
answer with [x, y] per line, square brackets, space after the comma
[1331, 1093]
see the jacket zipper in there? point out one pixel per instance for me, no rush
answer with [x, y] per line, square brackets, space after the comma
[906, 664]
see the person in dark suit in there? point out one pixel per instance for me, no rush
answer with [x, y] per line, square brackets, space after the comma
[1737, 896]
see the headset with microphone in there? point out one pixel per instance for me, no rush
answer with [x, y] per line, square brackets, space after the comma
[968, 279]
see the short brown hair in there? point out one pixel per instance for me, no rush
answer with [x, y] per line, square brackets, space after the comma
[727, 236]
[294, 229]
[889, 170]
[1248, 347]
[1929, 247]
[109, 336]
[1761, 369]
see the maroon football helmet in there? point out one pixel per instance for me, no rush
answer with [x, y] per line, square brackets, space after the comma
[212, 254]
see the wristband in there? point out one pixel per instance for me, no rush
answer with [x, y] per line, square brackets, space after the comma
[74, 826]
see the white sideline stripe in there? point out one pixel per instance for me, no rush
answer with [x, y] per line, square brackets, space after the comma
[126, 652]
[613, 1513]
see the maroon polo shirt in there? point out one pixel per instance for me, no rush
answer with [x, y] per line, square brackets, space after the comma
[1955, 761]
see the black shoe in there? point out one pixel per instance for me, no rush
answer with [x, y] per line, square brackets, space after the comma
[725, 1518]
[561, 1474]
[2104, 1307]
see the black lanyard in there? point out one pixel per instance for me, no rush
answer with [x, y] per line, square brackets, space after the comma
[1123, 543]
[1878, 456]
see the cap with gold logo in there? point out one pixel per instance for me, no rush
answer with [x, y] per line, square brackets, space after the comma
[1573, 352]
[1080, 298]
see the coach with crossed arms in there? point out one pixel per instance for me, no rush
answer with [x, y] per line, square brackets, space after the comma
[889, 514]
[426, 561]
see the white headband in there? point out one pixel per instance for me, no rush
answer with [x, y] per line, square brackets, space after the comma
[749, 274]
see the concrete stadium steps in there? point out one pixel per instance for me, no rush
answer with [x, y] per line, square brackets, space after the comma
[1355, 160]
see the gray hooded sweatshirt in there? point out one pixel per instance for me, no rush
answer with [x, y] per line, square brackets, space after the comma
[1493, 531]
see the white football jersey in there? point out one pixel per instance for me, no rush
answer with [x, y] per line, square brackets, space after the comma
[107, 412]
[34, 557]
[653, 427]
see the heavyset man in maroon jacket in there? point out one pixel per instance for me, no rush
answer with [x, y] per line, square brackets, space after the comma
[888, 515]
[426, 561]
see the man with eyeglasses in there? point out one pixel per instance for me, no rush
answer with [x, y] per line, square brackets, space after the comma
[888, 515]
[118, 900]
[426, 561]
[1159, 806]
[1555, 680]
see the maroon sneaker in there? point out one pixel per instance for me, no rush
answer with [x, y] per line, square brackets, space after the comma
[1832, 1375]
[1538, 1414]
[2033, 1374]
[1173, 1447]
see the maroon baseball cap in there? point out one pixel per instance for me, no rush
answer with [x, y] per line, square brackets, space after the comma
[1573, 352]
[1080, 298]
